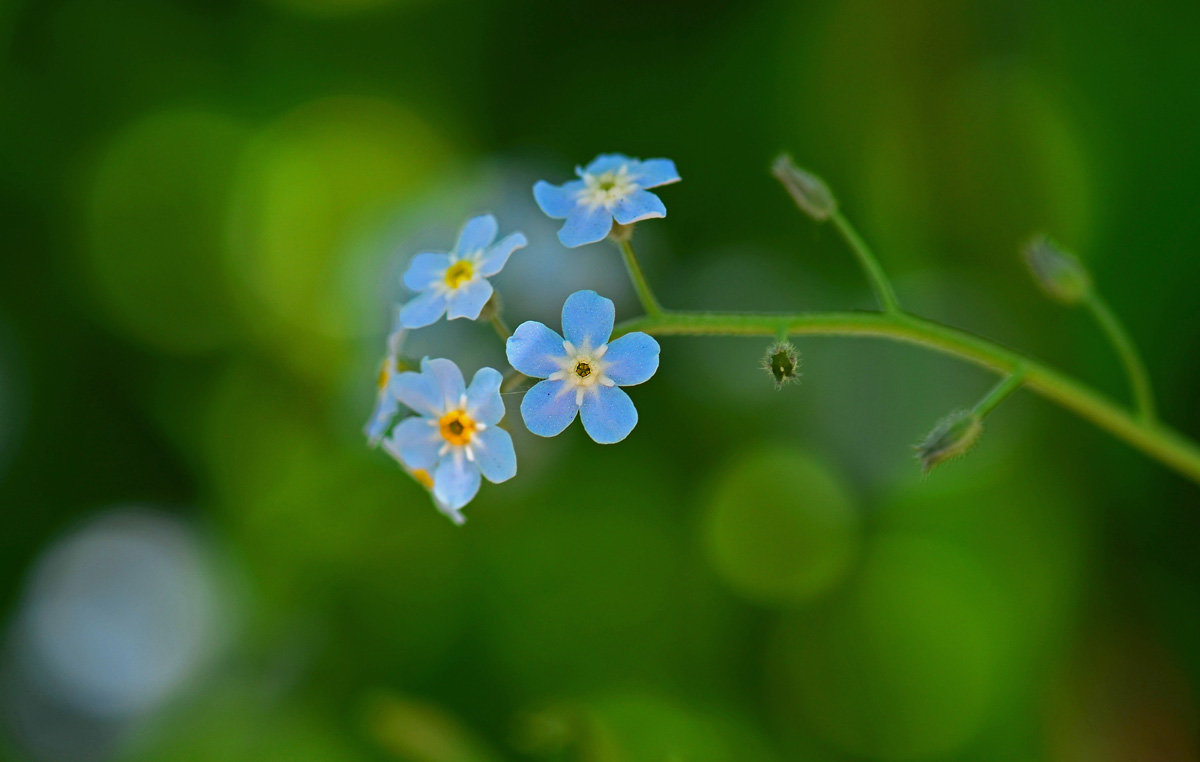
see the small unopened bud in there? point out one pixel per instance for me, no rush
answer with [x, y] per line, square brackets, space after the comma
[782, 363]
[1059, 273]
[953, 437]
[808, 191]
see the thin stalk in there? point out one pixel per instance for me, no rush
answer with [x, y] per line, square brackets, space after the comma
[999, 392]
[1157, 441]
[502, 329]
[870, 265]
[640, 285]
[1135, 369]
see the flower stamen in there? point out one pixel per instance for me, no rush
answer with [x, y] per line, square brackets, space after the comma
[459, 273]
[456, 428]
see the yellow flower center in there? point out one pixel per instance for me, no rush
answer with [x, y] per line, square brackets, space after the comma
[423, 478]
[458, 273]
[583, 369]
[385, 374]
[456, 427]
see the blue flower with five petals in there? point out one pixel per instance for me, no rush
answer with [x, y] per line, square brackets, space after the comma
[453, 436]
[455, 284]
[612, 187]
[583, 373]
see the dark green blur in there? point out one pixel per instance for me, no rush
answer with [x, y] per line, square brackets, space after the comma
[205, 208]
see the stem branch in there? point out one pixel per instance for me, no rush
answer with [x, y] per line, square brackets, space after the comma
[649, 304]
[1135, 369]
[870, 265]
[1153, 439]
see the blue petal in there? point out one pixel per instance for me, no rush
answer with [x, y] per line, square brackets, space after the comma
[534, 350]
[637, 206]
[494, 259]
[548, 408]
[425, 269]
[478, 233]
[483, 397]
[585, 226]
[422, 310]
[654, 172]
[557, 201]
[608, 162]
[381, 417]
[454, 514]
[632, 359]
[448, 380]
[420, 392]
[468, 300]
[415, 443]
[587, 319]
[608, 414]
[494, 454]
[455, 481]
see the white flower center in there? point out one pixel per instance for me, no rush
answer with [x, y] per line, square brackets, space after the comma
[606, 188]
[581, 370]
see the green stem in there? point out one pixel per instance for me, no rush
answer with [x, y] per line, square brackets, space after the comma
[1139, 380]
[502, 329]
[999, 392]
[1155, 440]
[512, 380]
[649, 304]
[870, 265]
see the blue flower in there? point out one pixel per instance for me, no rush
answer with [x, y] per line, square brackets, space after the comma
[611, 187]
[386, 404]
[583, 373]
[453, 436]
[455, 284]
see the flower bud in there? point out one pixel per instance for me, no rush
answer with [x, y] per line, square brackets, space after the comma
[782, 363]
[808, 191]
[1059, 273]
[953, 437]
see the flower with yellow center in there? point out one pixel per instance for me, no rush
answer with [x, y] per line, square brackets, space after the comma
[455, 284]
[454, 437]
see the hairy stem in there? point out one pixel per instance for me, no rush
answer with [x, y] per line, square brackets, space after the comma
[870, 265]
[1153, 439]
[1135, 369]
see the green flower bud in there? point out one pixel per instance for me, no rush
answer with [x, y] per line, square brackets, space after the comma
[808, 191]
[953, 437]
[782, 363]
[1059, 273]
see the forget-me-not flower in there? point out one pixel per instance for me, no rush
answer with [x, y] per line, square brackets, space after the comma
[386, 404]
[612, 187]
[582, 373]
[455, 284]
[453, 436]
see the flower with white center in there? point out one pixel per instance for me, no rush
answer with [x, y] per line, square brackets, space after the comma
[386, 404]
[612, 187]
[455, 284]
[584, 372]
[453, 438]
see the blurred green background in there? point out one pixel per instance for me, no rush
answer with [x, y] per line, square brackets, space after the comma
[206, 205]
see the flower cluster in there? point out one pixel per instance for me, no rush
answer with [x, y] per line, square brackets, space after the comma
[449, 435]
